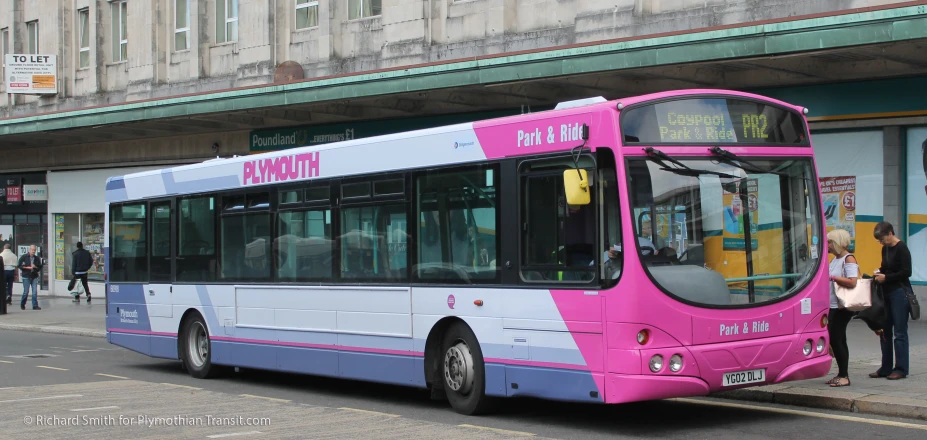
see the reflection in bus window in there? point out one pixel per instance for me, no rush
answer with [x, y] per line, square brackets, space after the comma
[457, 230]
[196, 240]
[128, 236]
[373, 243]
[303, 247]
[246, 246]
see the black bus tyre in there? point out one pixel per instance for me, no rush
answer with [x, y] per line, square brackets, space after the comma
[463, 372]
[196, 349]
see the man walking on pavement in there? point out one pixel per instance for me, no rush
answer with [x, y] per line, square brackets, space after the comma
[81, 262]
[30, 266]
[9, 271]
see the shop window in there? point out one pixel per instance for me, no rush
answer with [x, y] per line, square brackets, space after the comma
[917, 203]
[128, 239]
[71, 229]
[852, 185]
[458, 241]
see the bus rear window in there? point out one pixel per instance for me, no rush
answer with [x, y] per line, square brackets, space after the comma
[712, 121]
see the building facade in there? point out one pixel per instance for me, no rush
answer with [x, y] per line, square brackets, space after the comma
[142, 84]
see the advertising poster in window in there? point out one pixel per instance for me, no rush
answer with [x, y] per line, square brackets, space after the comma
[917, 203]
[92, 237]
[839, 195]
[734, 219]
[59, 247]
[855, 155]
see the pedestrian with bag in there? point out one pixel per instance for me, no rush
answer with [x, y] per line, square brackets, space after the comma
[894, 276]
[844, 272]
[81, 262]
[10, 261]
[30, 266]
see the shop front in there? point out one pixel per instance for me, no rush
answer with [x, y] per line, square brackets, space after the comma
[24, 219]
[76, 204]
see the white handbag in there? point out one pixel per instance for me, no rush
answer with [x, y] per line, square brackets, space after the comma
[855, 299]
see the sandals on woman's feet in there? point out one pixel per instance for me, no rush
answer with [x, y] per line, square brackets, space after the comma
[839, 382]
[833, 380]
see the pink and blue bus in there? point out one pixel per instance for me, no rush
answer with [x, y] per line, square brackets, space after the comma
[650, 247]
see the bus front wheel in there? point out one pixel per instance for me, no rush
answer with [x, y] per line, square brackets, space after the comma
[196, 349]
[462, 371]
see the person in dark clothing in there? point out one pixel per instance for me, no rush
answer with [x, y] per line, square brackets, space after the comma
[30, 266]
[894, 276]
[81, 262]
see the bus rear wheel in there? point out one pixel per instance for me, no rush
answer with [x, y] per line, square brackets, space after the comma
[462, 371]
[196, 349]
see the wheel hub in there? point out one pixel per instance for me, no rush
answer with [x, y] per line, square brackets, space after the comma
[458, 368]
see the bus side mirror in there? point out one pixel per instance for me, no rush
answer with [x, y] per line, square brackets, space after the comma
[576, 187]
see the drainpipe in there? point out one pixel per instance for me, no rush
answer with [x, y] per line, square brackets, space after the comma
[428, 23]
[273, 36]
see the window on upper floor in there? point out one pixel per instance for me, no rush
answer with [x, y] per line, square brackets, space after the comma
[32, 34]
[181, 24]
[307, 14]
[226, 20]
[364, 8]
[83, 38]
[120, 31]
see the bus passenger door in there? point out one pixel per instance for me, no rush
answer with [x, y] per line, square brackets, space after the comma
[158, 293]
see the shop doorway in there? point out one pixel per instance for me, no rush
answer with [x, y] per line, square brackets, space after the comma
[29, 234]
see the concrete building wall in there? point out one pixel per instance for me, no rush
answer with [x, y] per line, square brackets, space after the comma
[406, 32]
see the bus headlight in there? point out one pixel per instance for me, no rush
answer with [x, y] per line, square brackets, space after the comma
[821, 344]
[675, 363]
[807, 349]
[643, 336]
[656, 363]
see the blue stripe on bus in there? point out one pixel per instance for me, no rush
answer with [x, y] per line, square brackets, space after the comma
[137, 343]
[164, 347]
[551, 383]
[198, 185]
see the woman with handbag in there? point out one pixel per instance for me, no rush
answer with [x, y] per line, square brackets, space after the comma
[895, 277]
[844, 271]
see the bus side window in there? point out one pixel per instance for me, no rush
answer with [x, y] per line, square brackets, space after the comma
[559, 241]
[457, 225]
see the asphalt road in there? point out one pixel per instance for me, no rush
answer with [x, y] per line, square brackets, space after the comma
[96, 389]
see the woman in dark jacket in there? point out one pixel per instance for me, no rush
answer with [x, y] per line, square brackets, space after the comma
[894, 275]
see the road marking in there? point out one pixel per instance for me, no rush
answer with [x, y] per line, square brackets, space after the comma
[52, 368]
[6, 362]
[82, 351]
[369, 412]
[67, 396]
[180, 386]
[500, 431]
[808, 414]
[266, 398]
[110, 375]
[94, 409]
[233, 434]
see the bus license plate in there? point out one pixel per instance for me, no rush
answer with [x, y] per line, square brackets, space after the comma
[744, 377]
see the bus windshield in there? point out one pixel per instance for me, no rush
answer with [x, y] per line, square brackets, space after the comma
[742, 236]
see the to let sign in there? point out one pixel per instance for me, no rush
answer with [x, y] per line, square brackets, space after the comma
[31, 74]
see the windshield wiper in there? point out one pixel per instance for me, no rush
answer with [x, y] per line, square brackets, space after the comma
[735, 160]
[660, 158]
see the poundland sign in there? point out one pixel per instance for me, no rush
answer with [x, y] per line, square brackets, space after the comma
[266, 140]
